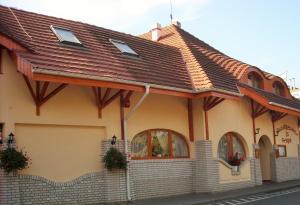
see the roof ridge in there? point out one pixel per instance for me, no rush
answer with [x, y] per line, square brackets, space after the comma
[193, 56]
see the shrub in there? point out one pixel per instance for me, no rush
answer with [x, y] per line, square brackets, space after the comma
[12, 160]
[114, 159]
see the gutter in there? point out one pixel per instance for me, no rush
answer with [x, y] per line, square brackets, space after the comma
[126, 118]
[109, 79]
[283, 106]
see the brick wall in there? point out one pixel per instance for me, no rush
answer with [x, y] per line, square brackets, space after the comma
[206, 168]
[157, 178]
[9, 189]
[285, 168]
[87, 189]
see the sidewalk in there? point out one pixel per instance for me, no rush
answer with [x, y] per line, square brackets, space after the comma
[204, 198]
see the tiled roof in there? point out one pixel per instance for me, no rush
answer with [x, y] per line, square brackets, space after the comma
[273, 98]
[158, 64]
[178, 61]
[208, 66]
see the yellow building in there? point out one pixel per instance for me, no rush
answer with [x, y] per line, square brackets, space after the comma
[195, 119]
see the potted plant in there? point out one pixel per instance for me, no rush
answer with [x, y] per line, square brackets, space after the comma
[156, 147]
[236, 161]
[13, 160]
[114, 159]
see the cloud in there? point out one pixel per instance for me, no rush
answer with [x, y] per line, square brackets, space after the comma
[114, 14]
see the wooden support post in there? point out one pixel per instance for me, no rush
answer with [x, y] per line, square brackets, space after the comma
[253, 121]
[1, 68]
[38, 98]
[190, 119]
[206, 125]
[122, 116]
[39, 95]
[274, 132]
[209, 103]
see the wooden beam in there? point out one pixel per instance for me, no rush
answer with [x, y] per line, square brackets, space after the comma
[30, 88]
[211, 102]
[263, 101]
[206, 125]
[98, 99]
[1, 68]
[126, 101]
[44, 89]
[38, 98]
[106, 95]
[190, 119]
[122, 116]
[54, 92]
[107, 102]
[274, 132]
[253, 121]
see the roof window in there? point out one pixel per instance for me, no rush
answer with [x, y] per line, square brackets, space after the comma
[123, 47]
[65, 35]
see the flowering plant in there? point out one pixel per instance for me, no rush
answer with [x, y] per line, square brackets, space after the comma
[236, 159]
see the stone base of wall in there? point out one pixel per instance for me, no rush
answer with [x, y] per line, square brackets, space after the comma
[9, 189]
[206, 168]
[148, 178]
[157, 178]
[285, 168]
[87, 189]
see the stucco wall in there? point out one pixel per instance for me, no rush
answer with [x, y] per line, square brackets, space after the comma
[230, 116]
[226, 176]
[69, 123]
[292, 148]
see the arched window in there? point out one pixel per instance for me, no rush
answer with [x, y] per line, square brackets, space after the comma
[278, 88]
[231, 149]
[254, 80]
[159, 144]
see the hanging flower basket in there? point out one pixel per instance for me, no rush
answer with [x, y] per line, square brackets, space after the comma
[13, 160]
[236, 159]
[114, 159]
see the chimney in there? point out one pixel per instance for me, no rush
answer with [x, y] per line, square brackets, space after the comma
[156, 32]
[176, 23]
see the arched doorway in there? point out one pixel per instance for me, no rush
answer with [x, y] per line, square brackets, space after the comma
[265, 146]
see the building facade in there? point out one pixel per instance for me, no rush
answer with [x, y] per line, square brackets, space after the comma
[194, 120]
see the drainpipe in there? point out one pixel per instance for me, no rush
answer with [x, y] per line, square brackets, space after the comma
[147, 88]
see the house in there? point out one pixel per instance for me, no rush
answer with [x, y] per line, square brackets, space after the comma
[193, 119]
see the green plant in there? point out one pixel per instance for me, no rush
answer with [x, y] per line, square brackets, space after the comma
[12, 160]
[114, 159]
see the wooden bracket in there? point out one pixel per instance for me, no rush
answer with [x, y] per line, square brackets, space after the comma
[124, 103]
[39, 95]
[209, 103]
[258, 109]
[277, 115]
[107, 98]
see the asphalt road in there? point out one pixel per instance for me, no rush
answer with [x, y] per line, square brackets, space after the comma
[284, 197]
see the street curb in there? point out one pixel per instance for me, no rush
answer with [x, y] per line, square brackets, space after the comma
[271, 190]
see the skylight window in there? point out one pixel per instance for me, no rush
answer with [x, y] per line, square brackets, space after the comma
[123, 47]
[65, 35]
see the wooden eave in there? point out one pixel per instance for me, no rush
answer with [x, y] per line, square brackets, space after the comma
[26, 68]
[264, 102]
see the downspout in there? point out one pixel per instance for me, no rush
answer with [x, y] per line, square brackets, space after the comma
[147, 88]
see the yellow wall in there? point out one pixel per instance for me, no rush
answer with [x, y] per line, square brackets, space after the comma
[227, 177]
[230, 116]
[72, 116]
[292, 148]
[264, 122]
[160, 111]
[60, 152]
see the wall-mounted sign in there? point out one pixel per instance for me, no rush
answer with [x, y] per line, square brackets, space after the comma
[286, 138]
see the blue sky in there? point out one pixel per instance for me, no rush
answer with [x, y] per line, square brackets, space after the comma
[264, 33]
